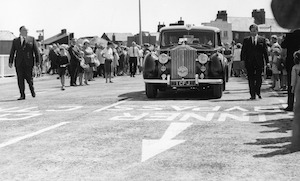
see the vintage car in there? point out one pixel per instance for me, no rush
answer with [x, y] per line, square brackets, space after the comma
[188, 57]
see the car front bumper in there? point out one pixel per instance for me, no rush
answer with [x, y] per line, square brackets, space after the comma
[183, 81]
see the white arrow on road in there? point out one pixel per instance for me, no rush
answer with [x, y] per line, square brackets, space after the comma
[150, 148]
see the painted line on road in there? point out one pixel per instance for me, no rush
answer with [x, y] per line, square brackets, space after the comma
[120, 102]
[13, 141]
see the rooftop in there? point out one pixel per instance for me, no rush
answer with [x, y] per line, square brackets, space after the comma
[6, 35]
[243, 23]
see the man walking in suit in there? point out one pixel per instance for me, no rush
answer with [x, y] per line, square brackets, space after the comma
[255, 54]
[74, 62]
[133, 53]
[23, 53]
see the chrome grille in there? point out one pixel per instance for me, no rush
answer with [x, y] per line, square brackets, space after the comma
[183, 56]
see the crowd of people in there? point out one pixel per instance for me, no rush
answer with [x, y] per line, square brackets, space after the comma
[83, 62]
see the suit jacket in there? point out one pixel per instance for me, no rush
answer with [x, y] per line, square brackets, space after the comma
[24, 54]
[254, 56]
[292, 44]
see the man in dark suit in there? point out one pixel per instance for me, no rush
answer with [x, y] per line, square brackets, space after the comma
[255, 55]
[74, 62]
[292, 43]
[23, 53]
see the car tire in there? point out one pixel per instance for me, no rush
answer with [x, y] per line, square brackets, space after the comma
[151, 91]
[217, 91]
[224, 85]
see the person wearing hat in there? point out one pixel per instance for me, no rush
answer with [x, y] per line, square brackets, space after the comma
[275, 61]
[236, 60]
[88, 58]
[107, 53]
[63, 61]
[100, 68]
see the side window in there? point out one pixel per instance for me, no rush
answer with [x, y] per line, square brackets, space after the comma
[219, 43]
[225, 33]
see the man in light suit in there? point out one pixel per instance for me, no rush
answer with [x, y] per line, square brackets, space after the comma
[24, 53]
[255, 55]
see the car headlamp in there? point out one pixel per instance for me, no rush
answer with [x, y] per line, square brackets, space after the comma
[202, 58]
[163, 58]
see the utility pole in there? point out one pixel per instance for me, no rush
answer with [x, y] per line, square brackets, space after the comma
[140, 22]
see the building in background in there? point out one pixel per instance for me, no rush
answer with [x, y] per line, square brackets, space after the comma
[6, 38]
[117, 38]
[237, 28]
[147, 37]
[62, 38]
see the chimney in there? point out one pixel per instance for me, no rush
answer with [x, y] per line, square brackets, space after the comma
[259, 16]
[113, 38]
[71, 35]
[63, 31]
[159, 26]
[222, 15]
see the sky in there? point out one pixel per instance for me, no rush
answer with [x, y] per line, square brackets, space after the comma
[95, 17]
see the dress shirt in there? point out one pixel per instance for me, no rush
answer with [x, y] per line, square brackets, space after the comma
[133, 52]
[108, 53]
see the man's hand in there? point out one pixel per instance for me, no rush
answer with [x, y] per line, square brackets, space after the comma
[10, 65]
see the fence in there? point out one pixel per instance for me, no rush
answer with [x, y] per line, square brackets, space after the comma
[5, 71]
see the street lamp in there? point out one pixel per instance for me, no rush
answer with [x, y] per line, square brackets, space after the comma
[140, 23]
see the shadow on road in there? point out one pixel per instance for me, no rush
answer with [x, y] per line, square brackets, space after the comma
[279, 126]
[9, 100]
[169, 95]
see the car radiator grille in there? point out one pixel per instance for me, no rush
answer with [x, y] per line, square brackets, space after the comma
[183, 57]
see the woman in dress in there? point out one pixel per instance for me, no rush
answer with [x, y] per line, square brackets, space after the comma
[88, 58]
[63, 61]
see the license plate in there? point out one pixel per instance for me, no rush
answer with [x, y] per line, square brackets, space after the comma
[183, 83]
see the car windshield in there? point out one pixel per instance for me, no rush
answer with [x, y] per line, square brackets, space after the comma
[192, 37]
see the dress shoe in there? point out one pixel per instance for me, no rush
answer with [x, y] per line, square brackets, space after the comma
[21, 98]
[288, 109]
[259, 96]
[252, 98]
[33, 94]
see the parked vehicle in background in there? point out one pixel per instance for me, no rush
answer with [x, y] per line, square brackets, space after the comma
[189, 57]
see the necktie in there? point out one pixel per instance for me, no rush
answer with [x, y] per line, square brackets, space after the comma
[23, 43]
[133, 52]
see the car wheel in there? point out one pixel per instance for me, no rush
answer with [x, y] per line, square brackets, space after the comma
[226, 73]
[217, 91]
[151, 91]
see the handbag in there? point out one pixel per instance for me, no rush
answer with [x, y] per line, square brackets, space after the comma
[280, 65]
[96, 61]
[83, 65]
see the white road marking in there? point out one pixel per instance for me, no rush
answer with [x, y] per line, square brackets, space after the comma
[150, 148]
[15, 140]
[104, 108]
[16, 117]
[65, 108]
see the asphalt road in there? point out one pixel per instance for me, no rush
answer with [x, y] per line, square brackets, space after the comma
[113, 132]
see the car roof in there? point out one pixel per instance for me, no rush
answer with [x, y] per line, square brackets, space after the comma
[190, 27]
